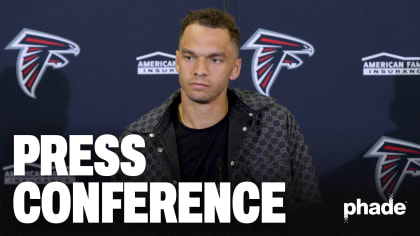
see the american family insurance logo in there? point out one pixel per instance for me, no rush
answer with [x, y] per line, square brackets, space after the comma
[272, 52]
[157, 63]
[37, 51]
[390, 64]
[396, 159]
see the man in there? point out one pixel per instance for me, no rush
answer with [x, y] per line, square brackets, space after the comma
[209, 132]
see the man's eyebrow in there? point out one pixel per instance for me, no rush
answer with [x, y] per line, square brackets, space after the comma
[187, 51]
[215, 54]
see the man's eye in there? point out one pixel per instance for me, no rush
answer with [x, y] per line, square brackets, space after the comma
[216, 60]
[189, 58]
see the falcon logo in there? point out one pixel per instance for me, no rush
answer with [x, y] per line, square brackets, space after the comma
[397, 158]
[38, 51]
[274, 51]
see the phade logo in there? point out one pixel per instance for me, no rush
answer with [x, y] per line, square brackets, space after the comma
[374, 208]
[389, 64]
[37, 51]
[157, 63]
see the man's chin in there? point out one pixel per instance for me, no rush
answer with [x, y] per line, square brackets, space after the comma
[199, 98]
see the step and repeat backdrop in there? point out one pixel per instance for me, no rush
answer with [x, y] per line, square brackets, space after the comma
[350, 74]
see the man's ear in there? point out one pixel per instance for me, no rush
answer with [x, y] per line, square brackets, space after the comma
[236, 69]
[177, 60]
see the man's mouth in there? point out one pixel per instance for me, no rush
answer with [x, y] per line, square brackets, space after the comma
[198, 85]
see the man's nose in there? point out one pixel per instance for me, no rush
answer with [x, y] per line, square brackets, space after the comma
[200, 67]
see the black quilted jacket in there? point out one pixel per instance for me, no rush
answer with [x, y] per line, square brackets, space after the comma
[265, 145]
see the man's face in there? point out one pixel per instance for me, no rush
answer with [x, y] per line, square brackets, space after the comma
[206, 61]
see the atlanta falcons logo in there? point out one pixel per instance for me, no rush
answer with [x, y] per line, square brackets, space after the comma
[397, 158]
[274, 51]
[38, 51]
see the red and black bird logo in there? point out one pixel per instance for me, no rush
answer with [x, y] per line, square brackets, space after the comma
[38, 51]
[274, 51]
[397, 158]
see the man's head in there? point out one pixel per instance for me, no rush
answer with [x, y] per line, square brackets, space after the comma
[207, 57]
[213, 18]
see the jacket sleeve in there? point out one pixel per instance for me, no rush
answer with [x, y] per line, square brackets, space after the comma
[305, 181]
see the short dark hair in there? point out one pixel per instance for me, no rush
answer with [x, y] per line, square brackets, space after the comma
[212, 18]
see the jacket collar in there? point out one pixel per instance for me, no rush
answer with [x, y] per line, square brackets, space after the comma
[157, 119]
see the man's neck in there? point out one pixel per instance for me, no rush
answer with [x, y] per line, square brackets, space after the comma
[200, 116]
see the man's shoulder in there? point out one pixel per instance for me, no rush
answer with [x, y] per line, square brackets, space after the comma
[147, 122]
[252, 99]
[259, 102]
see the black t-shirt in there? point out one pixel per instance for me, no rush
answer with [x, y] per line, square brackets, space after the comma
[203, 152]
